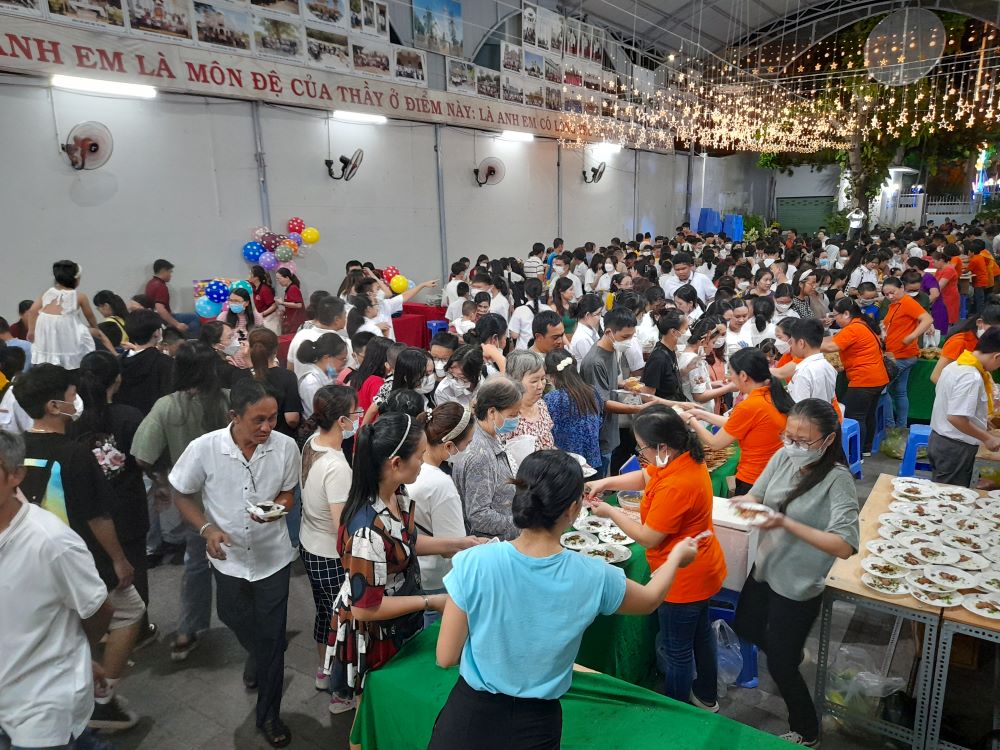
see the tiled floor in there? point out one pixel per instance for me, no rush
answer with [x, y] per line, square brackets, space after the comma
[201, 703]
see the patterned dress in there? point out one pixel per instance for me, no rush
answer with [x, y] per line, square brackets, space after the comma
[377, 552]
[540, 429]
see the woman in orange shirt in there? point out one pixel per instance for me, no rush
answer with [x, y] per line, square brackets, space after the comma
[861, 353]
[905, 322]
[676, 504]
[756, 421]
[965, 338]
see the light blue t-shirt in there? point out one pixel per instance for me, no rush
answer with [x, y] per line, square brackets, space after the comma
[527, 615]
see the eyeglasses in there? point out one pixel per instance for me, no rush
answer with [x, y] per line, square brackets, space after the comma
[798, 443]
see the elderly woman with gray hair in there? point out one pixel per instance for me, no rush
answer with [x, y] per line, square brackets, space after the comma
[483, 472]
[528, 368]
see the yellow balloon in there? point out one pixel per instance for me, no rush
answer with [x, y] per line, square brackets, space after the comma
[399, 284]
[310, 235]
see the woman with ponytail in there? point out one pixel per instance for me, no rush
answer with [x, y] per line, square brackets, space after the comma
[814, 520]
[490, 334]
[325, 357]
[520, 320]
[293, 312]
[676, 504]
[756, 421]
[381, 604]
[326, 480]
[517, 612]
[860, 345]
[263, 298]
[263, 353]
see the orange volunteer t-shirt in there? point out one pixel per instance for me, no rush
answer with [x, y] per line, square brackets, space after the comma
[900, 321]
[980, 271]
[959, 343]
[861, 355]
[991, 266]
[678, 502]
[756, 423]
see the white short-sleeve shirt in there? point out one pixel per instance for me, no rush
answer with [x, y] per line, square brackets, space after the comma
[386, 309]
[215, 466]
[814, 378]
[960, 393]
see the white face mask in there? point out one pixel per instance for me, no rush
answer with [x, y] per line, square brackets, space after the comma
[380, 294]
[609, 267]
[232, 349]
[427, 384]
[802, 457]
[782, 347]
[683, 339]
[620, 346]
[439, 365]
[782, 308]
[77, 408]
[661, 461]
[980, 332]
[743, 285]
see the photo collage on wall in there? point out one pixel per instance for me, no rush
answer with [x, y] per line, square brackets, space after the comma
[346, 36]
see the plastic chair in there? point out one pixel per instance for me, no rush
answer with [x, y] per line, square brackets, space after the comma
[851, 438]
[437, 326]
[631, 465]
[723, 607]
[881, 409]
[916, 438]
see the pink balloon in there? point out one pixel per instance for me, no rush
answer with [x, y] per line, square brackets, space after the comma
[260, 232]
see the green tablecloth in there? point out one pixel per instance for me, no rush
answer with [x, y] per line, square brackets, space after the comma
[402, 700]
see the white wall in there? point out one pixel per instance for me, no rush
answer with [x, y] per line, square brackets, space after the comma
[807, 182]
[661, 185]
[597, 211]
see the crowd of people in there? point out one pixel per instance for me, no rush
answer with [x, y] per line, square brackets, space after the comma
[415, 485]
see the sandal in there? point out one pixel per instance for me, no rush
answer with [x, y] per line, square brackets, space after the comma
[276, 732]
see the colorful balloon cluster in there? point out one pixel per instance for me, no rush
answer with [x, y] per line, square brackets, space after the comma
[271, 250]
[209, 305]
[396, 281]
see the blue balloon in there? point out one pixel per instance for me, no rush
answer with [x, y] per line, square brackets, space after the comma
[295, 237]
[206, 308]
[410, 284]
[216, 291]
[252, 252]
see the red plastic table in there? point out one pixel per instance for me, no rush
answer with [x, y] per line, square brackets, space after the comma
[427, 312]
[410, 329]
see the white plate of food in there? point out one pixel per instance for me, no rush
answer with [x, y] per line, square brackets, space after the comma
[964, 541]
[898, 482]
[989, 581]
[268, 511]
[957, 494]
[886, 586]
[578, 540]
[755, 513]
[903, 558]
[614, 535]
[984, 605]
[946, 507]
[906, 523]
[890, 533]
[591, 524]
[913, 491]
[882, 568]
[879, 546]
[935, 553]
[942, 599]
[988, 503]
[588, 470]
[993, 555]
[917, 579]
[989, 513]
[913, 540]
[610, 553]
[916, 510]
[971, 561]
[992, 495]
[969, 525]
[951, 577]
[992, 539]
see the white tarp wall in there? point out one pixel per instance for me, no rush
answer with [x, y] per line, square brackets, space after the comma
[182, 184]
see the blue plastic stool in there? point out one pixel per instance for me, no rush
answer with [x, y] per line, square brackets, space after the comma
[963, 308]
[851, 439]
[631, 465]
[723, 607]
[437, 326]
[916, 438]
[881, 409]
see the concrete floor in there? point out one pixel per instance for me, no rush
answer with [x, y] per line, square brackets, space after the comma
[201, 703]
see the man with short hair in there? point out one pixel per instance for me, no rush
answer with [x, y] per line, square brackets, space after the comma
[601, 370]
[54, 609]
[247, 464]
[560, 268]
[962, 405]
[683, 273]
[147, 373]
[7, 336]
[534, 266]
[499, 303]
[457, 277]
[19, 328]
[158, 293]
[64, 478]
[547, 332]
[330, 318]
[814, 376]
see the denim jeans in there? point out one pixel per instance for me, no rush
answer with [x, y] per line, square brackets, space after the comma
[192, 321]
[690, 649]
[605, 468]
[898, 395]
[196, 586]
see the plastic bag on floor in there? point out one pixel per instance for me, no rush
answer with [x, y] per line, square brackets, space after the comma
[855, 683]
[894, 443]
[728, 655]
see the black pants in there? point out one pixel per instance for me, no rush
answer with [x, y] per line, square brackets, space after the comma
[491, 721]
[859, 404]
[779, 627]
[256, 611]
[952, 461]
[741, 487]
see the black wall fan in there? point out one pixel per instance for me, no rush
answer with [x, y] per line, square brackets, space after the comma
[348, 166]
[596, 173]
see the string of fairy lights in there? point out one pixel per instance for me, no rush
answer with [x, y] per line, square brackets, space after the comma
[804, 97]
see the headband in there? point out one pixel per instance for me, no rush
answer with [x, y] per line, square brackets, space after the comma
[564, 364]
[406, 433]
[805, 276]
[463, 422]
